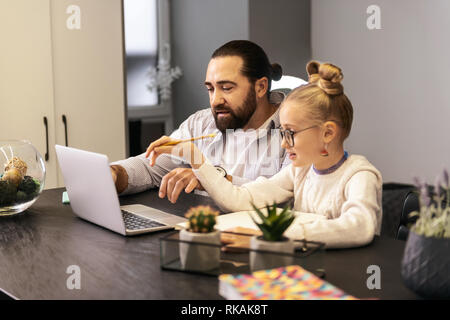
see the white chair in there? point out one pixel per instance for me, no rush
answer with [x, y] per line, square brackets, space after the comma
[287, 83]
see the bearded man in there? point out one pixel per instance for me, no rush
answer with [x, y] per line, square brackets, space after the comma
[243, 115]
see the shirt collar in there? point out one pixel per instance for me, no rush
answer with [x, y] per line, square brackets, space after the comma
[276, 97]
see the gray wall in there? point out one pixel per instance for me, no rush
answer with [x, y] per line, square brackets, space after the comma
[397, 79]
[281, 27]
[198, 27]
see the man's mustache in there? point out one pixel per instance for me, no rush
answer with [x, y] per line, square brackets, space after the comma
[222, 108]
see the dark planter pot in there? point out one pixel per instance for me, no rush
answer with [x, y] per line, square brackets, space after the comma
[426, 266]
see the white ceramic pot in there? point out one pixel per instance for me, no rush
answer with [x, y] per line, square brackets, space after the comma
[198, 257]
[266, 260]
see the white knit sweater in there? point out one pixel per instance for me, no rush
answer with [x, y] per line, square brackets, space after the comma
[347, 202]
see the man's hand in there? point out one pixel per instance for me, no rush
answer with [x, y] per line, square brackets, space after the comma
[175, 181]
[120, 178]
[114, 175]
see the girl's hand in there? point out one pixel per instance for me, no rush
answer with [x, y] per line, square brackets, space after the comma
[186, 150]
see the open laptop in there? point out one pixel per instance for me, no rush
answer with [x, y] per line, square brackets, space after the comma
[93, 195]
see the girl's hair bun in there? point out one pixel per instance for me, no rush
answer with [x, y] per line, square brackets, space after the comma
[277, 71]
[327, 76]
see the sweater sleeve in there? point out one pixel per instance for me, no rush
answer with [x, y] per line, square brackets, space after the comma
[141, 176]
[358, 221]
[262, 191]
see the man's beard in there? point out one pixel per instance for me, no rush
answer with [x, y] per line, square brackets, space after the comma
[238, 118]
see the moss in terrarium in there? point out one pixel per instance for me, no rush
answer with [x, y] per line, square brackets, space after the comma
[38, 184]
[21, 197]
[7, 193]
[28, 185]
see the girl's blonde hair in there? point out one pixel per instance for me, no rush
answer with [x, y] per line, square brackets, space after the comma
[323, 97]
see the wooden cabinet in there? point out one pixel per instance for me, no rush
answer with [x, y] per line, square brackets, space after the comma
[52, 67]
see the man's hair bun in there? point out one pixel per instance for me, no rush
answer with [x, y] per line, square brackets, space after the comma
[277, 71]
[327, 76]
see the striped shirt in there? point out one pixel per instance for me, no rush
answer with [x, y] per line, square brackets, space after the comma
[245, 155]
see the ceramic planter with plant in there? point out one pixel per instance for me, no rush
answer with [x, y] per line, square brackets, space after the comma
[272, 224]
[426, 260]
[200, 242]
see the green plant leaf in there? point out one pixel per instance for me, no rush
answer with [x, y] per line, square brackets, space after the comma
[283, 225]
[263, 218]
[280, 219]
[274, 225]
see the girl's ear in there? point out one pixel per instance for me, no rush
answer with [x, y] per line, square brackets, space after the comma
[330, 131]
[261, 87]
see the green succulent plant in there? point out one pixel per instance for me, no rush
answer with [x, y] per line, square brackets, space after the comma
[202, 219]
[433, 218]
[274, 225]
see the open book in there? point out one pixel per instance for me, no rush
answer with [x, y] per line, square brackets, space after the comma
[243, 219]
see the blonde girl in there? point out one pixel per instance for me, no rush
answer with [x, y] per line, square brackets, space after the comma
[342, 191]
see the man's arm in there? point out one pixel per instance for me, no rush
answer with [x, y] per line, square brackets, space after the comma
[120, 177]
[135, 174]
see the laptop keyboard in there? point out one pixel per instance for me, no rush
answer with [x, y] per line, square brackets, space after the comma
[135, 222]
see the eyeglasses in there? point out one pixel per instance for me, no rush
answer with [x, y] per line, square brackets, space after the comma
[288, 135]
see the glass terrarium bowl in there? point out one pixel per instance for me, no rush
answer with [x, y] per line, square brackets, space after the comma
[22, 176]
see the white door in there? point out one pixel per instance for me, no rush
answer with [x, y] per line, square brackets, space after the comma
[88, 64]
[26, 83]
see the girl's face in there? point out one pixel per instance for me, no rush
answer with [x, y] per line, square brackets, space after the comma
[307, 143]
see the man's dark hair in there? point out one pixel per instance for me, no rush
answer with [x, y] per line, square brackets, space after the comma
[256, 64]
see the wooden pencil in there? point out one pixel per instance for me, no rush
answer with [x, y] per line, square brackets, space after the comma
[173, 143]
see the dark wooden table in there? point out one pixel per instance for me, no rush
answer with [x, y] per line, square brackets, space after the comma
[38, 246]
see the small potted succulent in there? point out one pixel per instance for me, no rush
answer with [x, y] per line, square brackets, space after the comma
[272, 225]
[426, 260]
[195, 256]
